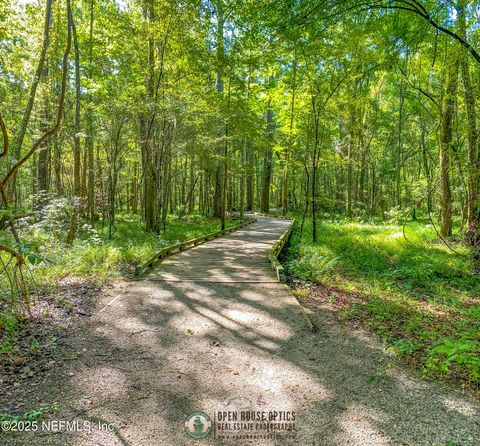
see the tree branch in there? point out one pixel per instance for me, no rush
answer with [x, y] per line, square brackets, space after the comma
[6, 144]
[13, 253]
[61, 104]
[419, 10]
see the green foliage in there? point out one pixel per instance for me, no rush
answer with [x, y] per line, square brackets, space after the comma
[308, 264]
[404, 346]
[9, 417]
[97, 257]
[32, 415]
[8, 327]
[452, 355]
[396, 215]
[35, 345]
[8, 323]
[414, 292]
[6, 213]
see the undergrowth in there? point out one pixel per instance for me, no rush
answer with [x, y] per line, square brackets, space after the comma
[94, 257]
[419, 296]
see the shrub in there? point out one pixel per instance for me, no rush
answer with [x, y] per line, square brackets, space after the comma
[310, 264]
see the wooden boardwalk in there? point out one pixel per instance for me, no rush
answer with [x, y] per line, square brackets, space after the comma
[237, 257]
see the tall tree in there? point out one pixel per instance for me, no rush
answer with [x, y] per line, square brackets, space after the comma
[446, 142]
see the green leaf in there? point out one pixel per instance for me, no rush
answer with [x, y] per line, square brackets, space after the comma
[33, 259]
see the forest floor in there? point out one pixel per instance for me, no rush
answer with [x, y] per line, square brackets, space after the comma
[153, 352]
[421, 297]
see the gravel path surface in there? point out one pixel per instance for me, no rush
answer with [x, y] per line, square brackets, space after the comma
[156, 351]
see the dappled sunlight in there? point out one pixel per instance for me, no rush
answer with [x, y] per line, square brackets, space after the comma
[270, 207]
[168, 376]
[357, 423]
[273, 376]
[222, 260]
[405, 380]
[242, 316]
[462, 407]
[102, 383]
[266, 344]
[203, 319]
[199, 323]
[132, 325]
[163, 350]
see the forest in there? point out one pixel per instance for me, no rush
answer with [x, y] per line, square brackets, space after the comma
[130, 125]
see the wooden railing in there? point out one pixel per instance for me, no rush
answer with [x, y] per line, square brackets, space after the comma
[275, 251]
[271, 215]
[172, 249]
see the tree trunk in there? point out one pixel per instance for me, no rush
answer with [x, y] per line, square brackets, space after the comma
[249, 179]
[473, 186]
[398, 156]
[219, 169]
[267, 162]
[446, 140]
[351, 142]
[147, 122]
[290, 139]
[22, 129]
[43, 157]
[90, 137]
[77, 192]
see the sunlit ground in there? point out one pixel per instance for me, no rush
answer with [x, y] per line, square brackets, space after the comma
[417, 293]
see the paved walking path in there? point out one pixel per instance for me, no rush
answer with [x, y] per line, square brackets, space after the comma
[201, 336]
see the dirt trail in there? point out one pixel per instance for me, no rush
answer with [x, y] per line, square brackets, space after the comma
[158, 350]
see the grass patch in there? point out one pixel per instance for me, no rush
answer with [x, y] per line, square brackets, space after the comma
[93, 259]
[421, 298]
[96, 256]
